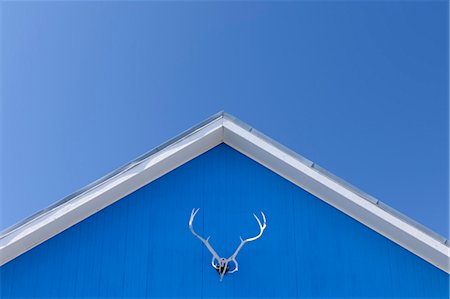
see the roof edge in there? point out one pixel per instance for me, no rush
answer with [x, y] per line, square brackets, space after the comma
[223, 127]
[113, 173]
[340, 181]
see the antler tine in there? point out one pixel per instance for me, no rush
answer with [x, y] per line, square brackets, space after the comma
[236, 266]
[193, 213]
[264, 218]
[262, 227]
[204, 241]
[191, 227]
[259, 221]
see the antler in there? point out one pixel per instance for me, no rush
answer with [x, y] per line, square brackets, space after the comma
[262, 227]
[222, 263]
[204, 241]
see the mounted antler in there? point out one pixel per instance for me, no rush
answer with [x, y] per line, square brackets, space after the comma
[222, 263]
[204, 241]
[262, 227]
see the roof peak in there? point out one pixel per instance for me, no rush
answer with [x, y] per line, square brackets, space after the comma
[223, 127]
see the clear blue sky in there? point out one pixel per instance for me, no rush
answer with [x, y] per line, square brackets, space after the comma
[359, 88]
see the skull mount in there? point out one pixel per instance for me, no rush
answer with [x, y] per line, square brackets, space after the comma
[221, 263]
[222, 266]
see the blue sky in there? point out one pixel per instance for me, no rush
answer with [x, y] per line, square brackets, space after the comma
[361, 88]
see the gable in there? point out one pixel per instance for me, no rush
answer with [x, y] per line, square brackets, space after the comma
[141, 244]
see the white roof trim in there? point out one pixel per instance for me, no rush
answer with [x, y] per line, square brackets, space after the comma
[225, 128]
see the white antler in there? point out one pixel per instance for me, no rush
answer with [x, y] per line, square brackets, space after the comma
[204, 241]
[262, 227]
[222, 263]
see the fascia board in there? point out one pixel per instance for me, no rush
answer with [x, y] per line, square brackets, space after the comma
[217, 129]
[351, 203]
[41, 228]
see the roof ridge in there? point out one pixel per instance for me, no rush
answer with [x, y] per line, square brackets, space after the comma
[220, 128]
[214, 117]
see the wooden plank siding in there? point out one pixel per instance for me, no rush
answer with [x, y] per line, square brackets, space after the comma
[141, 245]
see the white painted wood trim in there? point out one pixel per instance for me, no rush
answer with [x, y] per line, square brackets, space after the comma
[64, 216]
[337, 195]
[230, 131]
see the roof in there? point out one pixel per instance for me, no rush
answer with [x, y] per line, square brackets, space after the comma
[224, 128]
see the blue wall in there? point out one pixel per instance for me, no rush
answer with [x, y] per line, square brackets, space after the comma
[141, 246]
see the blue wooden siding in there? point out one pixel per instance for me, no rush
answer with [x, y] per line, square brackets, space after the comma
[141, 246]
